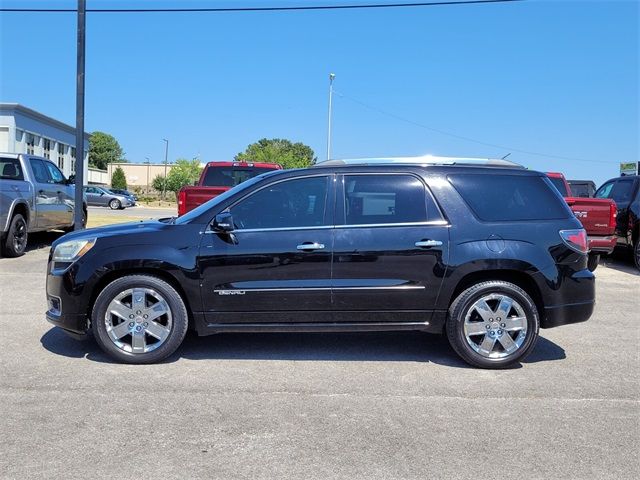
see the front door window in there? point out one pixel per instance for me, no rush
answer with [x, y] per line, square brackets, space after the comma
[295, 203]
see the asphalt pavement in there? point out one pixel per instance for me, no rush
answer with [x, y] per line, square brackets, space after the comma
[318, 406]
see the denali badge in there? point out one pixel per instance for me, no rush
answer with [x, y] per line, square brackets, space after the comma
[229, 292]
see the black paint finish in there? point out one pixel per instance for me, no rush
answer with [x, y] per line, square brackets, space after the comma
[367, 277]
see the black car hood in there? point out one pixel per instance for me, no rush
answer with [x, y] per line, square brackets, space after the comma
[120, 229]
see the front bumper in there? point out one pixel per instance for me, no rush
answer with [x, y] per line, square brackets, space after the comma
[604, 244]
[61, 303]
[76, 325]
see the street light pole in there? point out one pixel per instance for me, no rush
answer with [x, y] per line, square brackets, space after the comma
[331, 77]
[78, 210]
[166, 157]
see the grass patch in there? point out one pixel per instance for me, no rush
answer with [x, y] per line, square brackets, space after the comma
[102, 220]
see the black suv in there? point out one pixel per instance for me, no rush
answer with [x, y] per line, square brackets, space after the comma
[625, 191]
[482, 250]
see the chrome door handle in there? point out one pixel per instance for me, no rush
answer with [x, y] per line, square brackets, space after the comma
[310, 246]
[428, 243]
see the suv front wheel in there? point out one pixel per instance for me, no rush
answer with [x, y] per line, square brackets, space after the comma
[139, 319]
[493, 324]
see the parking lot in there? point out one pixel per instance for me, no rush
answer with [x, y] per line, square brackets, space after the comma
[378, 405]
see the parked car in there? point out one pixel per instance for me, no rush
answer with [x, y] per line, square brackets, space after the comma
[34, 196]
[625, 191]
[102, 197]
[482, 250]
[582, 188]
[126, 193]
[217, 178]
[598, 217]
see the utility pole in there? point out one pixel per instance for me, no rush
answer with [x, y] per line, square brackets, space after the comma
[78, 210]
[331, 77]
[166, 157]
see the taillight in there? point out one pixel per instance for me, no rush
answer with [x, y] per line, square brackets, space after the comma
[575, 239]
[613, 213]
[182, 203]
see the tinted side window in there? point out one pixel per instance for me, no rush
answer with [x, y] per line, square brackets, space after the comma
[56, 174]
[380, 199]
[292, 203]
[510, 197]
[10, 169]
[605, 190]
[39, 170]
[622, 191]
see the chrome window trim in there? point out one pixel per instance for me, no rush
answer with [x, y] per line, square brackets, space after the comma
[441, 223]
[405, 224]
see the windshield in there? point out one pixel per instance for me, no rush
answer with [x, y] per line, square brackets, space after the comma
[196, 212]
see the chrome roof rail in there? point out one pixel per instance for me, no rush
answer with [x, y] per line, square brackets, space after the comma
[424, 160]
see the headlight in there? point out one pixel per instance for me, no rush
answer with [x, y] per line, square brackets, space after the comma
[72, 250]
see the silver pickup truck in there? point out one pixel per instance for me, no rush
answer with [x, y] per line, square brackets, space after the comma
[34, 196]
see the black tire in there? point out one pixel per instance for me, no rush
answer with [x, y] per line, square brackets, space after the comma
[636, 253]
[463, 305]
[84, 223]
[176, 307]
[593, 261]
[114, 204]
[14, 243]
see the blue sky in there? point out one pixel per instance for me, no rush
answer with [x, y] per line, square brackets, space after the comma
[553, 77]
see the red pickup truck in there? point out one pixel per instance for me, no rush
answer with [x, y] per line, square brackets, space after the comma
[217, 178]
[598, 217]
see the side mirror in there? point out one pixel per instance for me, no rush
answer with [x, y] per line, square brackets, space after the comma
[223, 222]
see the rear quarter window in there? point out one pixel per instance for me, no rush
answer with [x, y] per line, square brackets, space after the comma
[495, 198]
[10, 169]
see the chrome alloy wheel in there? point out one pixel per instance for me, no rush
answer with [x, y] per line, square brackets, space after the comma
[138, 320]
[495, 326]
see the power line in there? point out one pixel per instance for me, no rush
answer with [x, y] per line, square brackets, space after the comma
[467, 139]
[257, 9]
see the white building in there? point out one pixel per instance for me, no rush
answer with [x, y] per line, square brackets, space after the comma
[23, 130]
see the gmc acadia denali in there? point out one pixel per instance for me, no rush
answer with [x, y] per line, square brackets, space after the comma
[483, 251]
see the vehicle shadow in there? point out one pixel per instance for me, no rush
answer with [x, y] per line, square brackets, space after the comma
[620, 260]
[40, 240]
[374, 346]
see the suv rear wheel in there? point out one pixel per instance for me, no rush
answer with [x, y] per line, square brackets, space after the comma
[139, 319]
[493, 324]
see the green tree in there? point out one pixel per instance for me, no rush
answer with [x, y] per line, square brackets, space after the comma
[119, 179]
[184, 172]
[278, 150]
[159, 183]
[103, 150]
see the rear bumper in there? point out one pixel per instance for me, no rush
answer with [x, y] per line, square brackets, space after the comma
[565, 314]
[599, 244]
